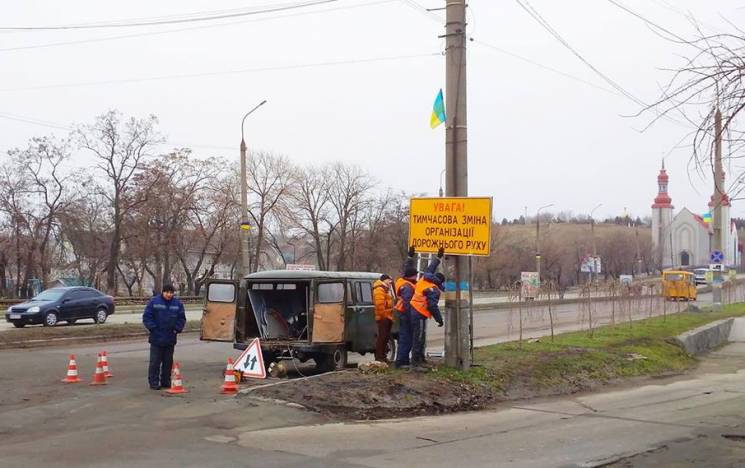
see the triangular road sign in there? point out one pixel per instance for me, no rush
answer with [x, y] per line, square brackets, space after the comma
[251, 361]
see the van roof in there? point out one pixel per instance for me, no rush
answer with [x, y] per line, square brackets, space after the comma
[305, 275]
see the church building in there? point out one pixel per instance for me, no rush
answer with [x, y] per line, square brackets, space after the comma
[685, 239]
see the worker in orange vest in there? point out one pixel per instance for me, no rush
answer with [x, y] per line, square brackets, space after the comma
[383, 301]
[424, 305]
[404, 289]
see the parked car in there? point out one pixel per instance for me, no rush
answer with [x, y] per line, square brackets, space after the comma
[317, 315]
[699, 275]
[62, 304]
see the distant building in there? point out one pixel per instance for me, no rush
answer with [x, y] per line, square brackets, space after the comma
[685, 239]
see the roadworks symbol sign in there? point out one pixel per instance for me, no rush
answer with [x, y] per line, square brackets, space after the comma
[251, 361]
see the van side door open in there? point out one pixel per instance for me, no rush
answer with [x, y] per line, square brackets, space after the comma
[218, 315]
[328, 312]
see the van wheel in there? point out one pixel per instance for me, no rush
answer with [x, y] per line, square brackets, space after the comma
[327, 362]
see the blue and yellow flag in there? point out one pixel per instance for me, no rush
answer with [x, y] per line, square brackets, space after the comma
[707, 217]
[438, 111]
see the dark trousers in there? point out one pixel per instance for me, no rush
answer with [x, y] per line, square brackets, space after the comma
[161, 361]
[405, 337]
[419, 333]
[384, 335]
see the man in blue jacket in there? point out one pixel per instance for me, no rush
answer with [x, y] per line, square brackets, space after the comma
[424, 305]
[164, 318]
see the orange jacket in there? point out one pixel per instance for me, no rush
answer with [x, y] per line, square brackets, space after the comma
[404, 292]
[426, 297]
[383, 301]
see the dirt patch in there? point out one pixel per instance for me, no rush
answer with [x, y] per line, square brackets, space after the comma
[352, 395]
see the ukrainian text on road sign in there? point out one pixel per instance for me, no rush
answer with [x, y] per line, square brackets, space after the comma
[462, 226]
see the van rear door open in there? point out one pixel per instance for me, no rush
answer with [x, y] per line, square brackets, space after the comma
[218, 315]
[328, 312]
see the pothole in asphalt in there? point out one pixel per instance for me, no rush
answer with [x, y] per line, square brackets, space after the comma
[735, 437]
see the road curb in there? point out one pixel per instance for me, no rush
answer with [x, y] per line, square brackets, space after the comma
[706, 337]
[74, 339]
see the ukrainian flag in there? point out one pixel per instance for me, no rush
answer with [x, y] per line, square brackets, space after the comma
[707, 218]
[438, 111]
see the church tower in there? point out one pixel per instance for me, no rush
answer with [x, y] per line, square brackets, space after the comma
[662, 218]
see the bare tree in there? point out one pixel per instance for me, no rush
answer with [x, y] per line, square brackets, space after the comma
[170, 186]
[214, 211]
[311, 206]
[710, 79]
[349, 189]
[84, 231]
[271, 177]
[120, 147]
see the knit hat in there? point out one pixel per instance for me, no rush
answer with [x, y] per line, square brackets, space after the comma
[410, 271]
[168, 288]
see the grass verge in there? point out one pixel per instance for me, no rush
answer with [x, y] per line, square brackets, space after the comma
[44, 336]
[579, 361]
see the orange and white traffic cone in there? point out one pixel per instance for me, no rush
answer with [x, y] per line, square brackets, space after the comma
[176, 385]
[99, 378]
[105, 361]
[72, 371]
[230, 386]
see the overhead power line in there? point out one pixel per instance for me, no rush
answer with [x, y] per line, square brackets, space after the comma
[331, 63]
[191, 28]
[545, 67]
[434, 17]
[160, 21]
[533, 13]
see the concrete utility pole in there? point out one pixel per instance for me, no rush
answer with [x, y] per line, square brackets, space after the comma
[538, 239]
[718, 198]
[245, 225]
[594, 273]
[457, 332]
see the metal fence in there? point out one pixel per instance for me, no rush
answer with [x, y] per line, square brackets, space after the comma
[606, 303]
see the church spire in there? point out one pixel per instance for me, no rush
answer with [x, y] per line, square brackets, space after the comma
[662, 200]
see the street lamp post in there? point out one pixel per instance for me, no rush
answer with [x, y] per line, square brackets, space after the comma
[538, 239]
[442, 173]
[594, 245]
[245, 226]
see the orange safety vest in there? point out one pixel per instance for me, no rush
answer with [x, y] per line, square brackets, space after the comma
[400, 283]
[419, 301]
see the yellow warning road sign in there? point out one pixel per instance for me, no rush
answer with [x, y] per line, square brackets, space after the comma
[462, 225]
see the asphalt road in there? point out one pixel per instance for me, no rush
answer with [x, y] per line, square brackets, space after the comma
[44, 423]
[490, 325]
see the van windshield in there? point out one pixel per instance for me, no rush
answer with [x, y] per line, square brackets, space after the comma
[280, 308]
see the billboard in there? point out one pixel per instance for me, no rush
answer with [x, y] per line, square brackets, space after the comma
[301, 267]
[461, 225]
[591, 264]
[530, 283]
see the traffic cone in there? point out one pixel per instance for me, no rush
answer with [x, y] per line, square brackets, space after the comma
[72, 371]
[99, 378]
[176, 385]
[105, 361]
[230, 386]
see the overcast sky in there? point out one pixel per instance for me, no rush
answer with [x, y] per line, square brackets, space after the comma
[535, 136]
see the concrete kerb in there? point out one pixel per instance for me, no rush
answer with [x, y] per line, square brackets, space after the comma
[709, 336]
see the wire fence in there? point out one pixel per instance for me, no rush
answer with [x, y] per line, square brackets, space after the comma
[606, 303]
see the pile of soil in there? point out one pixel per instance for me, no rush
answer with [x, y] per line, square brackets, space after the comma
[352, 395]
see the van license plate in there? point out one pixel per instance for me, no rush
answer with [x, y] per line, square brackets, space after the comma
[15, 316]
